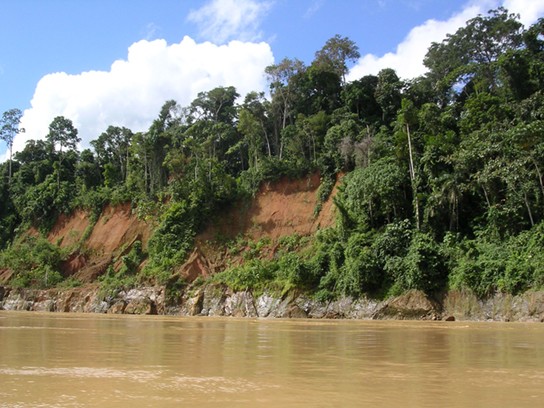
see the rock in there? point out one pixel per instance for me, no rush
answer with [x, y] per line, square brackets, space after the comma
[318, 310]
[283, 308]
[15, 301]
[213, 303]
[143, 300]
[241, 304]
[192, 304]
[449, 319]
[265, 304]
[364, 308]
[118, 307]
[295, 312]
[339, 308]
[140, 306]
[413, 304]
[98, 306]
[47, 305]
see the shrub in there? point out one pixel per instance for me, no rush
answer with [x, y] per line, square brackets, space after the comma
[424, 266]
[360, 272]
[34, 262]
[173, 238]
[252, 275]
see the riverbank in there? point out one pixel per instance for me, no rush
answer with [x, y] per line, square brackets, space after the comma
[214, 300]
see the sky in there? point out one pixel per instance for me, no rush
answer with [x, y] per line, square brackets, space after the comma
[115, 62]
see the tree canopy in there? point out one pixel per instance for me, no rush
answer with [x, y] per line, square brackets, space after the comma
[443, 173]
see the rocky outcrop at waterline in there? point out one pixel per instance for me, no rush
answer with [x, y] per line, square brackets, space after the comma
[215, 300]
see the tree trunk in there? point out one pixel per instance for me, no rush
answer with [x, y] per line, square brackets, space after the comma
[486, 197]
[267, 140]
[10, 156]
[413, 178]
[538, 172]
[528, 209]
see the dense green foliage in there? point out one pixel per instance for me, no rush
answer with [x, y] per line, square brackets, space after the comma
[444, 178]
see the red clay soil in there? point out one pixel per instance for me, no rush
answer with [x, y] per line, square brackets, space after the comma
[116, 228]
[69, 229]
[112, 235]
[280, 208]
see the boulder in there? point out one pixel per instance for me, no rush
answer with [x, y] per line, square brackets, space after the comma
[412, 305]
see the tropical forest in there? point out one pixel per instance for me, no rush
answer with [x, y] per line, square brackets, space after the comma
[437, 182]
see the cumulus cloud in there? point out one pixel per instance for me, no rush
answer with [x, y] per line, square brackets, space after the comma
[221, 20]
[529, 10]
[407, 59]
[132, 92]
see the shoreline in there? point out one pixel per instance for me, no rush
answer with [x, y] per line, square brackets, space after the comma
[220, 301]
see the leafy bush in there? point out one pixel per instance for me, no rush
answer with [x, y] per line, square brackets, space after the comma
[112, 283]
[132, 260]
[173, 238]
[323, 193]
[373, 195]
[510, 266]
[34, 262]
[480, 268]
[254, 275]
[424, 266]
[360, 272]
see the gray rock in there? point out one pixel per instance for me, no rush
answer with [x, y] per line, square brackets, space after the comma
[240, 304]
[266, 304]
[412, 305]
[192, 303]
[213, 303]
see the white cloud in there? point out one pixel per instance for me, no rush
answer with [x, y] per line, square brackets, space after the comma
[408, 57]
[222, 20]
[132, 92]
[529, 10]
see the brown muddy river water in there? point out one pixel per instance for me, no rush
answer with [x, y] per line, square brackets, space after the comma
[65, 360]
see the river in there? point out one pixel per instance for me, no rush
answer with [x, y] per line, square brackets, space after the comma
[71, 360]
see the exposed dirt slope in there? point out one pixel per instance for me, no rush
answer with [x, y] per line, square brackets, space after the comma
[68, 230]
[117, 228]
[280, 208]
[111, 236]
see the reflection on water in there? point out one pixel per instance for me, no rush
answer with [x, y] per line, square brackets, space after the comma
[61, 360]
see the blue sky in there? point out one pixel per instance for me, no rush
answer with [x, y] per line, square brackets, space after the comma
[114, 62]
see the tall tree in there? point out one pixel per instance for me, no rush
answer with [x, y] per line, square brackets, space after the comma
[335, 54]
[360, 97]
[258, 106]
[63, 134]
[408, 117]
[216, 105]
[9, 128]
[282, 86]
[468, 59]
[388, 94]
[113, 149]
